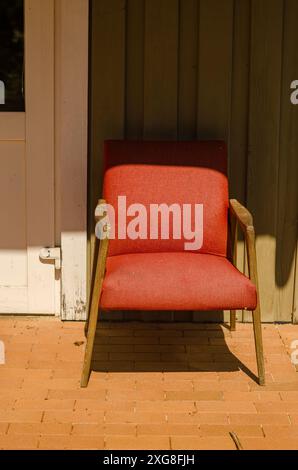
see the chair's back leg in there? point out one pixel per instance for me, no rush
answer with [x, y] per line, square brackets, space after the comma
[233, 320]
[234, 240]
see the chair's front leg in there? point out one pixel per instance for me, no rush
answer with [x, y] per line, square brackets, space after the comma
[257, 325]
[245, 221]
[92, 323]
[259, 344]
[95, 298]
[93, 317]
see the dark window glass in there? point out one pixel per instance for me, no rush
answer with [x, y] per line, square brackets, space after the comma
[12, 55]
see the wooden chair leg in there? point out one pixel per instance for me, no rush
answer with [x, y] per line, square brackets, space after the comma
[233, 320]
[245, 220]
[99, 273]
[92, 282]
[92, 324]
[94, 312]
[257, 325]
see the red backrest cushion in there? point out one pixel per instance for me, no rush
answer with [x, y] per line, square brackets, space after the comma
[167, 173]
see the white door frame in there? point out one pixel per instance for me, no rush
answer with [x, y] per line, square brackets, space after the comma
[50, 140]
[28, 138]
[71, 147]
[39, 92]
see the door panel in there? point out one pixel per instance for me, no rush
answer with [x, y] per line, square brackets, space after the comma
[13, 257]
[28, 285]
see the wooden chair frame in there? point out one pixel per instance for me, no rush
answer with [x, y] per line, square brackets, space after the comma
[239, 216]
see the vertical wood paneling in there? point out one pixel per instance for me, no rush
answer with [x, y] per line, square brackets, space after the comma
[161, 69]
[134, 117]
[108, 72]
[107, 91]
[288, 169]
[167, 69]
[215, 54]
[161, 80]
[239, 113]
[240, 101]
[215, 66]
[188, 69]
[265, 102]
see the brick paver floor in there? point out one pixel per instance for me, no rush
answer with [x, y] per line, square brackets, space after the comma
[155, 386]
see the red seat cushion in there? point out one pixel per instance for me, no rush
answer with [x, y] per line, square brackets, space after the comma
[169, 173]
[175, 281]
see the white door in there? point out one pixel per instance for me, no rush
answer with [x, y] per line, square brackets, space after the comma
[28, 285]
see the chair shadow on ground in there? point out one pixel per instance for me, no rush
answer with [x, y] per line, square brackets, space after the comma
[141, 346]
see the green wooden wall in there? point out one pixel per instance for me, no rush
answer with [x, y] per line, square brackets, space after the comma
[216, 69]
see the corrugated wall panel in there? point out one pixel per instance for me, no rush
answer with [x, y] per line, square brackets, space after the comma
[188, 69]
[264, 141]
[288, 170]
[167, 69]
[161, 69]
[215, 69]
[135, 36]
[238, 138]
[107, 90]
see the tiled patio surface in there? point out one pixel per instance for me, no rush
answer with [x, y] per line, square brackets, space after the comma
[156, 386]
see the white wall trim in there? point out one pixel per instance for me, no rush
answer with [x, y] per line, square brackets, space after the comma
[71, 145]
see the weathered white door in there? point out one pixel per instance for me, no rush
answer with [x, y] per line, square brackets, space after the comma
[27, 200]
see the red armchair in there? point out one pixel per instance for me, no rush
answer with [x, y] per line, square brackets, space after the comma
[157, 273]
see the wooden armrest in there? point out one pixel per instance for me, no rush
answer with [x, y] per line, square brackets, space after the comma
[99, 212]
[242, 215]
[244, 218]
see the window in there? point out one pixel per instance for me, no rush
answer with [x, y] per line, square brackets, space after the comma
[12, 55]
